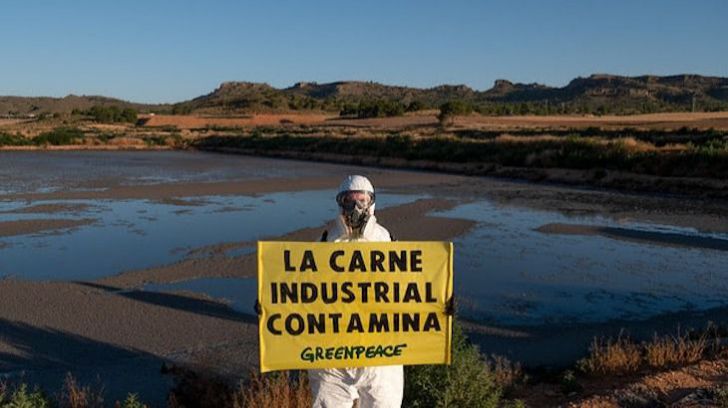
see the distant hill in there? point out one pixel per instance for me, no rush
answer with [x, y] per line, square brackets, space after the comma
[24, 106]
[598, 93]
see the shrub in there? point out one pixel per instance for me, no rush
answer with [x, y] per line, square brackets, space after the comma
[132, 401]
[449, 110]
[467, 382]
[59, 136]
[415, 106]
[7, 139]
[21, 397]
[720, 395]
[112, 114]
[373, 109]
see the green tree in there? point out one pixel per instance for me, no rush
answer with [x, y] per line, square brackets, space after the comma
[450, 109]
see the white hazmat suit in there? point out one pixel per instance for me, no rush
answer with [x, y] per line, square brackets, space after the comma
[375, 387]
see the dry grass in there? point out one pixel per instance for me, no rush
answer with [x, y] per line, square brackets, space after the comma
[74, 395]
[612, 356]
[675, 350]
[200, 122]
[623, 355]
[717, 120]
[275, 390]
[506, 373]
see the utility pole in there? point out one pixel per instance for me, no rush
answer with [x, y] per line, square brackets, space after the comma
[693, 103]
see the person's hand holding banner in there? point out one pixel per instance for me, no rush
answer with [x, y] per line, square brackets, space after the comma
[334, 305]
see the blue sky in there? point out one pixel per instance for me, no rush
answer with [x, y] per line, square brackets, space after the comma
[165, 51]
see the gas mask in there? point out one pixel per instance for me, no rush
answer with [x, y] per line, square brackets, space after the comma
[355, 212]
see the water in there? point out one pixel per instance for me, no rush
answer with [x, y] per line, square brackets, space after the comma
[136, 234]
[506, 272]
[509, 273]
[24, 172]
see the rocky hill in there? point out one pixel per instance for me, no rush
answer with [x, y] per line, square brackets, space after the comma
[21, 106]
[669, 92]
[599, 92]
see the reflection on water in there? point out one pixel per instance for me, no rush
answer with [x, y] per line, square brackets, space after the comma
[45, 172]
[507, 272]
[134, 234]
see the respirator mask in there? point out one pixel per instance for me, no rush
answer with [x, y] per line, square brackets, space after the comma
[355, 208]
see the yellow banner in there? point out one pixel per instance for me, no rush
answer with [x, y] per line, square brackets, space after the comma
[356, 304]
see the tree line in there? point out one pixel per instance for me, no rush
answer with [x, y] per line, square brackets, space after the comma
[109, 114]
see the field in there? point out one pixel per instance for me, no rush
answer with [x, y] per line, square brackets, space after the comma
[700, 120]
[201, 122]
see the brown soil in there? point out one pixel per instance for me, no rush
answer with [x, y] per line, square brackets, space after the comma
[49, 209]
[200, 122]
[20, 227]
[8, 122]
[683, 387]
[703, 120]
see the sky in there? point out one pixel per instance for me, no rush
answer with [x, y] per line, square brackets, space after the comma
[167, 51]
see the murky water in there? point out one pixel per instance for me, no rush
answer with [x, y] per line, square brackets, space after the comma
[135, 234]
[510, 273]
[507, 272]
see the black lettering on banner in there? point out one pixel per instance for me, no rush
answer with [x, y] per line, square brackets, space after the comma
[364, 286]
[287, 261]
[335, 321]
[289, 291]
[428, 293]
[271, 321]
[316, 324]
[273, 293]
[332, 261]
[399, 260]
[355, 324]
[329, 295]
[308, 262]
[416, 261]
[309, 292]
[411, 293]
[431, 321]
[377, 261]
[410, 322]
[299, 323]
[357, 262]
[378, 324]
[346, 290]
[380, 292]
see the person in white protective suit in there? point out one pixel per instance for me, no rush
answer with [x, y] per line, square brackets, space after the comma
[374, 387]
